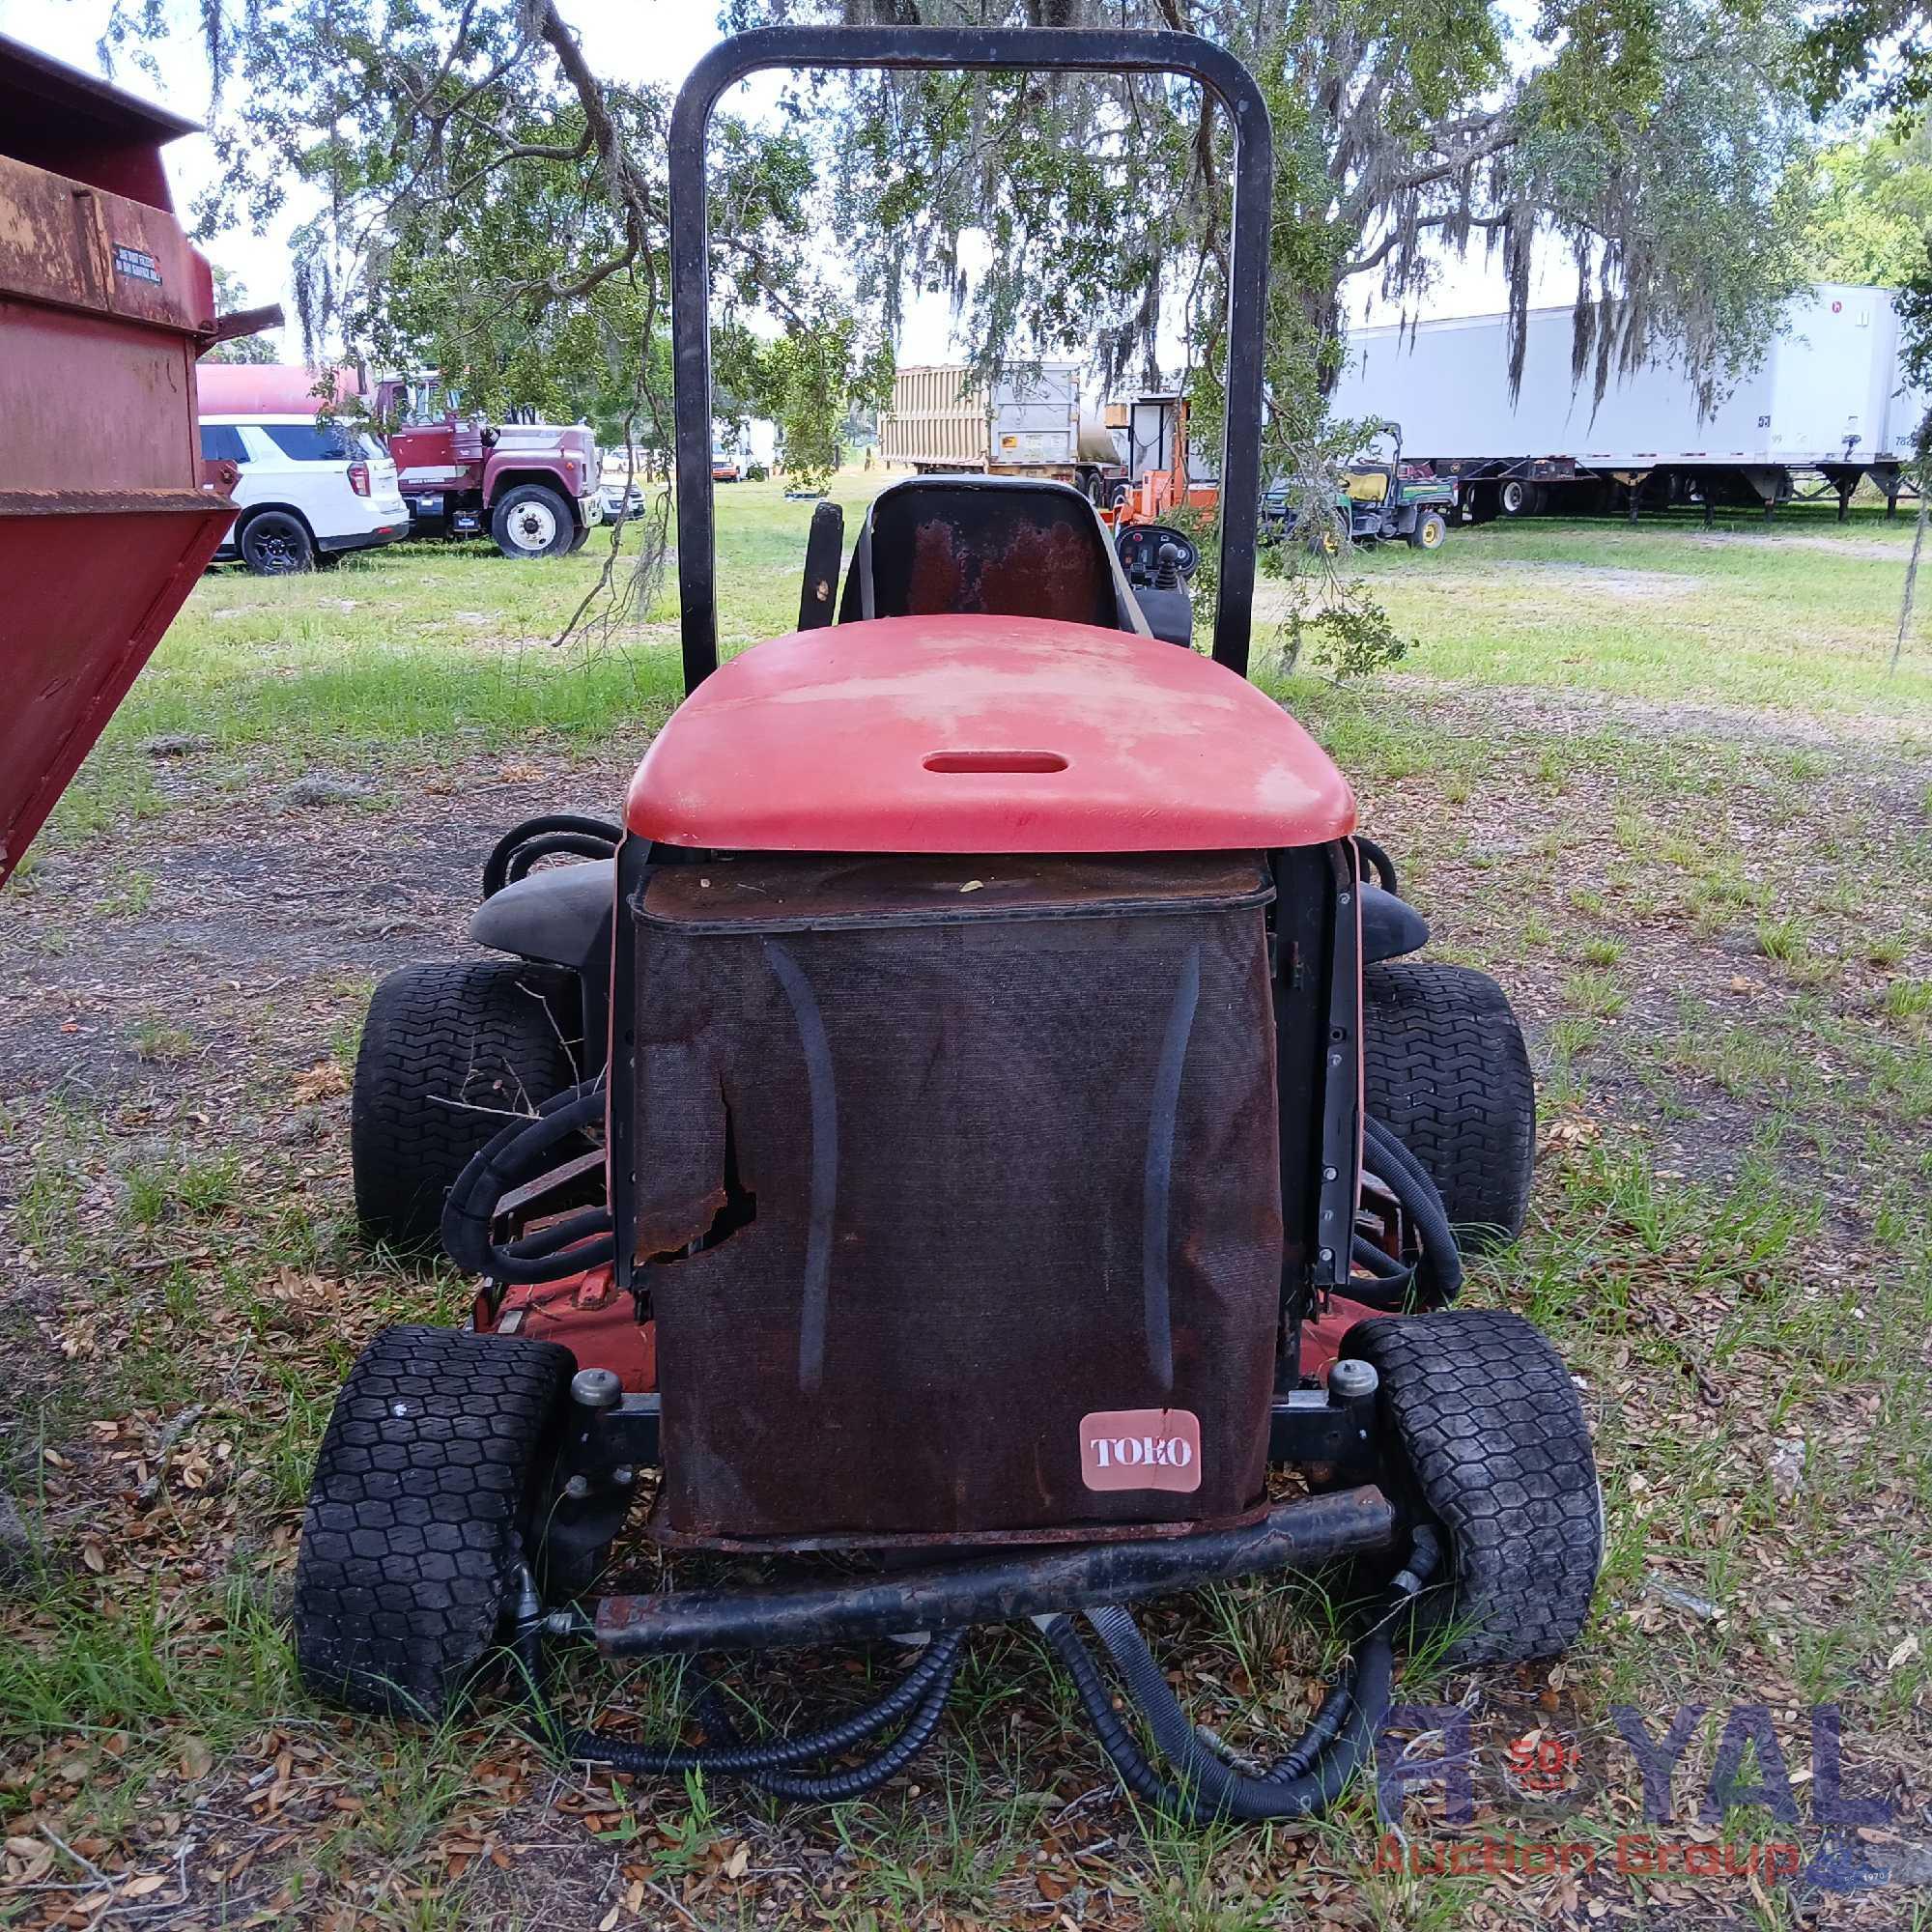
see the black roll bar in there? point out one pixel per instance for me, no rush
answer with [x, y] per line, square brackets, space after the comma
[944, 49]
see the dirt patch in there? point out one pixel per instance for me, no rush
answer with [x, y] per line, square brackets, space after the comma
[1867, 550]
[1621, 587]
[1562, 712]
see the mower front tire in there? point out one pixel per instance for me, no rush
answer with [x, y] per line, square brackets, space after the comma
[450, 1054]
[1486, 1439]
[1445, 1069]
[421, 1516]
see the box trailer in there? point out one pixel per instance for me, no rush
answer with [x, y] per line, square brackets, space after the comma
[1825, 401]
[1027, 423]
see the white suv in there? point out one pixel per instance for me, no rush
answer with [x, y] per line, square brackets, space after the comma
[307, 490]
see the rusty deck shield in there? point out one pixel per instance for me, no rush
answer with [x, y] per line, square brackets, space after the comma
[984, 1153]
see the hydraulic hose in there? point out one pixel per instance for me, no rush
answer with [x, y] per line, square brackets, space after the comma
[933, 1671]
[1308, 1778]
[596, 838]
[520, 1153]
[1438, 1273]
[1379, 864]
[920, 1696]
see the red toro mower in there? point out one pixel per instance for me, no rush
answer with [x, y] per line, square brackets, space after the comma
[971, 1145]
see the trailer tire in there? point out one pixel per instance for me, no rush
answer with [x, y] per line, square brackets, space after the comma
[1445, 1069]
[1486, 1436]
[421, 1514]
[276, 543]
[449, 1054]
[531, 520]
[1430, 532]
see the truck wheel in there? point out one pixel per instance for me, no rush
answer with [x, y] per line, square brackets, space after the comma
[449, 1054]
[581, 538]
[421, 1516]
[1445, 1069]
[276, 543]
[531, 520]
[1486, 1437]
[1431, 531]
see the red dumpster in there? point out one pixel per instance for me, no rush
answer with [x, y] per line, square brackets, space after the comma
[105, 523]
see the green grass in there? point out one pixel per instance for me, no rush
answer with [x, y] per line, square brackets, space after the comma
[1663, 612]
[425, 641]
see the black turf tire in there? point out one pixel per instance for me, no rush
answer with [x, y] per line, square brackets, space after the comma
[419, 1515]
[1488, 1438]
[450, 1054]
[1444, 1068]
[276, 543]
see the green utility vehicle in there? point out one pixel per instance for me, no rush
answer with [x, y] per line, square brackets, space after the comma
[1379, 498]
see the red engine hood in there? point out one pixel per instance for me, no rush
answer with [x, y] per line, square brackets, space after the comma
[982, 734]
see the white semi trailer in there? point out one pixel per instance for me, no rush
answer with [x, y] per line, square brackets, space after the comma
[1826, 401]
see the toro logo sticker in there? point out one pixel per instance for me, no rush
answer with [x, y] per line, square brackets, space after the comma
[1141, 1449]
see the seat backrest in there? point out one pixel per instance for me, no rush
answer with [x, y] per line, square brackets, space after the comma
[1003, 547]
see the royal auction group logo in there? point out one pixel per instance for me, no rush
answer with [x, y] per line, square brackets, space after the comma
[1431, 1747]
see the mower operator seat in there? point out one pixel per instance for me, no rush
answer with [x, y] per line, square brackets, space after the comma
[987, 545]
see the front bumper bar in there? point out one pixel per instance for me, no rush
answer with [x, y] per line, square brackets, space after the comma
[1036, 1580]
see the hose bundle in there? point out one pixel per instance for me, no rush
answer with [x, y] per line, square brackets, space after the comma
[560, 835]
[1436, 1277]
[520, 1153]
[1340, 1738]
[919, 1698]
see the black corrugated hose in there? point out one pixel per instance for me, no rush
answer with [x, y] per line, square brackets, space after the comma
[556, 835]
[919, 1696]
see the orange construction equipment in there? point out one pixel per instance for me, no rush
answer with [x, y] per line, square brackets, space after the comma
[1162, 469]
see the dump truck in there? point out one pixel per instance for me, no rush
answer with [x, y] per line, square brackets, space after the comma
[108, 515]
[1825, 402]
[945, 420]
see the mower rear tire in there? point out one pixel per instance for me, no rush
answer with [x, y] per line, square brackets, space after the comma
[450, 1054]
[1486, 1437]
[421, 1516]
[1445, 1069]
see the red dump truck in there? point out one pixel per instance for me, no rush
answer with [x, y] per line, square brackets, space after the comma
[107, 513]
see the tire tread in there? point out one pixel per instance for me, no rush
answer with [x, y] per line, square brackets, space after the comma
[1497, 1447]
[414, 1524]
